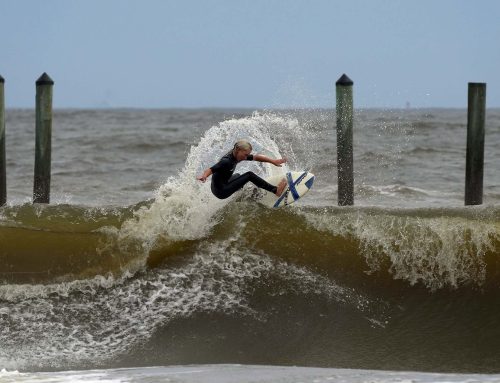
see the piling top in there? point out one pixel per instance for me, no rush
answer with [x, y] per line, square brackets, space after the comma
[344, 80]
[478, 84]
[1, 79]
[44, 80]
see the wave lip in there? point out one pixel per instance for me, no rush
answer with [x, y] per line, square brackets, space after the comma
[436, 247]
[445, 247]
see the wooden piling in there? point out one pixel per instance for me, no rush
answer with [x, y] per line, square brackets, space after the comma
[344, 100]
[474, 165]
[43, 148]
[3, 166]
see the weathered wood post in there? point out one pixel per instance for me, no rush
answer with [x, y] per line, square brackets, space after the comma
[3, 170]
[41, 188]
[474, 165]
[344, 140]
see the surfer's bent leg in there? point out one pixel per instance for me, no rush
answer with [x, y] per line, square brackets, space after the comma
[259, 182]
[236, 182]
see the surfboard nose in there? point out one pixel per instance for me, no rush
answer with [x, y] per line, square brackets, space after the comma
[310, 182]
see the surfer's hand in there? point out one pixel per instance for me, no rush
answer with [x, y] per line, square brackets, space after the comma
[207, 173]
[279, 161]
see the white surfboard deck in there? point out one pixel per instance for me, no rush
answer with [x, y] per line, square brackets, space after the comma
[298, 184]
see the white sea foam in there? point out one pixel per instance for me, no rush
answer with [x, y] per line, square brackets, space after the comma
[4, 372]
[70, 323]
[438, 251]
[230, 373]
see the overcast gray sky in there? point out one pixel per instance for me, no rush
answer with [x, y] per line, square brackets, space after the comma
[256, 53]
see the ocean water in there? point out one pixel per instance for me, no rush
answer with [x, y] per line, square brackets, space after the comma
[239, 373]
[135, 264]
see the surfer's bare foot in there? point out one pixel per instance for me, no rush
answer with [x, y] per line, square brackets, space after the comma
[281, 187]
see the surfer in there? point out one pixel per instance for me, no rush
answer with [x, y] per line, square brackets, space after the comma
[225, 183]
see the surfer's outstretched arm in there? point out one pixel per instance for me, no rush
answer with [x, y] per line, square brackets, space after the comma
[274, 161]
[207, 173]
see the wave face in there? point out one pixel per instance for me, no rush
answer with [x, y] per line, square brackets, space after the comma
[185, 278]
[309, 286]
[435, 248]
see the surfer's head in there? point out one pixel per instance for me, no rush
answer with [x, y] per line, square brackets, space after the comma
[241, 150]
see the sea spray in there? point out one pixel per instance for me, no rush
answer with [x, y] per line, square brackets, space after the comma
[79, 242]
[438, 247]
[184, 208]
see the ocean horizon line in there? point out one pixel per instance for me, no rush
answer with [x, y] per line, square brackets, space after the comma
[247, 108]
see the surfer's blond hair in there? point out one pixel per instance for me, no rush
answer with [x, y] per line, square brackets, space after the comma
[242, 145]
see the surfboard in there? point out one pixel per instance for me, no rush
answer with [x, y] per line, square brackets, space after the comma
[298, 184]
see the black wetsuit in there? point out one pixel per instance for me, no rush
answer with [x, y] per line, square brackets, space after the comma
[224, 183]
